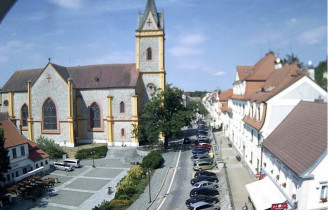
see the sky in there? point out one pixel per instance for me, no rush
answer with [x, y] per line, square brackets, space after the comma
[205, 39]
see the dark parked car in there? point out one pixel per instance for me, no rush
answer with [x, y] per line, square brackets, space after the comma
[201, 122]
[205, 198]
[203, 191]
[204, 178]
[186, 140]
[204, 173]
[200, 151]
[197, 156]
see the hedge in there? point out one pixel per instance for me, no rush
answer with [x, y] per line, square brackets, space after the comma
[100, 152]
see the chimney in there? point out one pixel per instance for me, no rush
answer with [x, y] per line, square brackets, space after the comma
[311, 70]
[278, 64]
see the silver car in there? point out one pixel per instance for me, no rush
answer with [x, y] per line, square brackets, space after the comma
[206, 184]
[204, 205]
[205, 158]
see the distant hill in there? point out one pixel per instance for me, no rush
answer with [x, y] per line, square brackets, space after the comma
[196, 93]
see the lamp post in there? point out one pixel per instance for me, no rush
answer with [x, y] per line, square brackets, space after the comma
[93, 158]
[148, 173]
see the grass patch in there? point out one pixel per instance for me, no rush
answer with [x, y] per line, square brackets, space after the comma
[71, 151]
[96, 152]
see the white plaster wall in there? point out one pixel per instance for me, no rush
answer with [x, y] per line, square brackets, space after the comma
[145, 43]
[3, 108]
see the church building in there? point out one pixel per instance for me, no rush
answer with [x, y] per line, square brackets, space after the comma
[89, 104]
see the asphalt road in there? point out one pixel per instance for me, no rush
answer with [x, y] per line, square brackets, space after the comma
[181, 186]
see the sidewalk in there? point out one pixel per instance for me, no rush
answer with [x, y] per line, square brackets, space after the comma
[238, 175]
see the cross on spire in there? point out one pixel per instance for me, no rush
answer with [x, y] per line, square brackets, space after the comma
[49, 59]
[149, 22]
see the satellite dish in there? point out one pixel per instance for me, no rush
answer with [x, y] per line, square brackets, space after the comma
[310, 63]
[278, 60]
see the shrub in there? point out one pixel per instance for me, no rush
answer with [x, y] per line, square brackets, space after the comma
[119, 204]
[50, 147]
[103, 206]
[153, 160]
[100, 152]
[38, 192]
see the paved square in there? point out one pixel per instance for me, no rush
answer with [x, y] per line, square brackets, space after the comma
[88, 184]
[69, 198]
[76, 171]
[61, 179]
[104, 173]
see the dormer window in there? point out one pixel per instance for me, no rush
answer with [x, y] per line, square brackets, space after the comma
[258, 114]
[149, 54]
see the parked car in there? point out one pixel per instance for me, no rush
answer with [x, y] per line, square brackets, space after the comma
[204, 178]
[201, 132]
[72, 162]
[203, 191]
[205, 184]
[204, 145]
[204, 158]
[63, 166]
[204, 205]
[204, 173]
[186, 140]
[196, 156]
[203, 165]
[201, 122]
[199, 150]
[205, 198]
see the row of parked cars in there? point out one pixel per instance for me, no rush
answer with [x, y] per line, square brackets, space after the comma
[204, 194]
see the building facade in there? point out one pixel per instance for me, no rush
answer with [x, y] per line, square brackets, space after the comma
[90, 104]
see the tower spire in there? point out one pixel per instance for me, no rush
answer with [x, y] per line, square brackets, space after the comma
[158, 17]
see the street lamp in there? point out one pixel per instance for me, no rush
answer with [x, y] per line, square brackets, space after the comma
[245, 207]
[93, 158]
[148, 173]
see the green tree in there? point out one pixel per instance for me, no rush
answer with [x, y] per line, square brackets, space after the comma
[319, 71]
[164, 114]
[50, 147]
[291, 58]
[4, 160]
[197, 107]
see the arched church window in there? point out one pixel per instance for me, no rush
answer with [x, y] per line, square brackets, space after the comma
[49, 115]
[94, 116]
[122, 107]
[149, 54]
[24, 114]
[122, 132]
[150, 87]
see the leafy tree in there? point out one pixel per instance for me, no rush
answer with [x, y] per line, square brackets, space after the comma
[4, 160]
[164, 114]
[50, 147]
[291, 58]
[319, 71]
[197, 107]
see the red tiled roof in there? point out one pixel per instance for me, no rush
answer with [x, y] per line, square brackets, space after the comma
[32, 145]
[224, 107]
[253, 121]
[243, 72]
[251, 88]
[37, 154]
[263, 68]
[301, 138]
[225, 95]
[11, 134]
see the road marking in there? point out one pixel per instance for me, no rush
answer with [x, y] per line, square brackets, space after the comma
[168, 191]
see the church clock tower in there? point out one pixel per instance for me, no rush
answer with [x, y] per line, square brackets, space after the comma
[150, 61]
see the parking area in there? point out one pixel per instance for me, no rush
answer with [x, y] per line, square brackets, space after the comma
[84, 187]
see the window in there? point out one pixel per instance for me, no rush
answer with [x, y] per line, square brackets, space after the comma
[37, 166]
[22, 150]
[94, 116]
[258, 138]
[17, 174]
[252, 134]
[24, 115]
[150, 87]
[324, 192]
[122, 132]
[24, 170]
[46, 162]
[12, 175]
[14, 153]
[8, 177]
[49, 115]
[6, 103]
[149, 54]
[122, 107]
[258, 114]
[41, 163]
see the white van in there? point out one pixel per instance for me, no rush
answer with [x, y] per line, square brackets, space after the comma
[72, 162]
[63, 166]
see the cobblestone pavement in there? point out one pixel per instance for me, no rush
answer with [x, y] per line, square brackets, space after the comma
[85, 187]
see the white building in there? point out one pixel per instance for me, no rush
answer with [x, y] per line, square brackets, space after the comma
[295, 161]
[25, 156]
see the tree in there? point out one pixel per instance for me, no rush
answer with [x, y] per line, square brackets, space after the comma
[319, 71]
[291, 58]
[164, 114]
[50, 147]
[197, 107]
[4, 159]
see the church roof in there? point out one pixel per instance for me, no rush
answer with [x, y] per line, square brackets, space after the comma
[18, 81]
[301, 138]
[84, 77]
[158, 17]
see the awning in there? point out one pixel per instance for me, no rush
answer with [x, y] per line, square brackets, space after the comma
[264, 193]
[29, 174]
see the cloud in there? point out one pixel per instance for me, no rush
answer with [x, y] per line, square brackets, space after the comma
[291, 21]
[313, 36]
[67, 4]
[185, 51]
[192, 39]
[219, 73]
[12, 46]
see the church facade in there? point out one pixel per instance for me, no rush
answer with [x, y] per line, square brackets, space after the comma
[94, 103]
